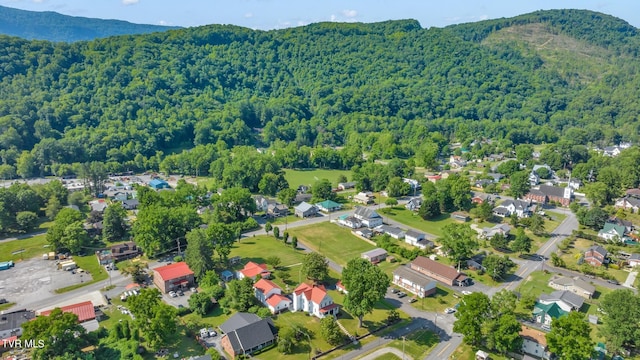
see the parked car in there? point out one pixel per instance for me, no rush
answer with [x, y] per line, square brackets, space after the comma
[401, 294]
[466, 292]
[173, 294]
[194, 290]
[614, 282]
[180, 292]
[394, 290]
[3, 301]
[590, 276]
[412, 300]
[212, 332]
[449, 311]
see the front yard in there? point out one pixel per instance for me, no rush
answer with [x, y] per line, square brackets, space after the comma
[414, 220]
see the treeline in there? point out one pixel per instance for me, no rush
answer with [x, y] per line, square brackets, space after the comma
[389, 89]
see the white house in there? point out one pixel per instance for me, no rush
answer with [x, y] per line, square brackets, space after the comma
[261, 203]
[412, 237]
[368, 217]
[413, 204]
[534, 343]
[314, 300]
[414, 282]
[628, 203]
[270, 295]
[392, 231]
[634, 260]
[350, 222]
[363, 198]
[502, 229]
[611, 232]
[522, 208]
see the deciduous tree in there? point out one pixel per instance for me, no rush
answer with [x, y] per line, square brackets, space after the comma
[315, 267]
[114, 223]
[366, 285]
[330, 331]
[459, 241]
[570, 337]
[621, 309]
[470, 316]
[59, 334]
[199, 252]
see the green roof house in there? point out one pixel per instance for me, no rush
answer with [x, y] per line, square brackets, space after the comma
[612, 232]
[329, 206]
[545, 313]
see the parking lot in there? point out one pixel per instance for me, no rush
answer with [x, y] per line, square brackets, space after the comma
[178, 300]
[35, 279]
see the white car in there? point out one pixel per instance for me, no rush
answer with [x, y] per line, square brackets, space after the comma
[466, 292]
[173, 294]
[449, 311]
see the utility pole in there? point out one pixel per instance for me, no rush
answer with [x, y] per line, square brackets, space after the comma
[403, 347]
[178, 241]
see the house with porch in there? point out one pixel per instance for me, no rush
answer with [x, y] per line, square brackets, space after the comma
[270, 295]
[522, 208]
[314, 300]
[545, 313]
[364, 198]
[628, 203]
[573, 284]
[413, 204]
[253, 270]
[328, 206]
[612, 232]
[567, 300]
[368, 217]
[489, 232]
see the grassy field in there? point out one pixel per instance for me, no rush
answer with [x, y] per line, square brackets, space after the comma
[437, 303]
[387, 356]
[335, 242]
[412, 219]
[309, 177]
[89, 264]
[6, 306]
[466, 352]
[32, 246]
[417, 344]
[536, 284]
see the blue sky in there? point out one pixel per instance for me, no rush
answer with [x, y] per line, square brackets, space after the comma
[275, 14]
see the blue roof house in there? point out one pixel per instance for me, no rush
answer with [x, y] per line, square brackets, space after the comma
[158, 184]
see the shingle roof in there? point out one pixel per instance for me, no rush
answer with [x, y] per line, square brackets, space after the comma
[575, 281]
[619, 229]
[252, 335]
[275, 299]
[374, 253]
[599, 249]
[304, 206]
[366, 213]
[414, 234]
[237, 321]
[574, 300]
[173, 271]
[313, 293]
[264, 285]
[436, 267]
[415, 277]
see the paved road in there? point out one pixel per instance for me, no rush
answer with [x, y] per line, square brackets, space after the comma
[374, 355]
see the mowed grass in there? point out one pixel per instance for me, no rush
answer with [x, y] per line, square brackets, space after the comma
[259, 248]
[466, 352]
[334, 242]
[387, 356]
[409, 218]
[536, 283]
[296, 178]
[32, 246]
[417, 344]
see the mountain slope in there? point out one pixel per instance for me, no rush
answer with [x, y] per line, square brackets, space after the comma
[384, 87]
[56, 27]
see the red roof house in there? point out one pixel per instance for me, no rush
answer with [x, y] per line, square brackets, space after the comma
[314, 300]
[84, 310]
[252, 270]
[174, 276]
[278, 302]
[340, 287]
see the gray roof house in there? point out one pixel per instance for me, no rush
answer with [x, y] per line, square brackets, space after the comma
[375, 255]
[573, 284]
[11, 323]
[305, 209]
[414, 204]
[502, 229]
[567, 300]
[247, 334]
[238, 320]
[392, 231]
[368, 217]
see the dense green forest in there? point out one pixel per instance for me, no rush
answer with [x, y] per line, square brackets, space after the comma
[390, 89]
[52, 26]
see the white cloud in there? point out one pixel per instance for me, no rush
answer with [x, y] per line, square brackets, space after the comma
[163, 23]
[333, 17]
[349, 13]
[38, 1]
[248, 15]
[129, 2]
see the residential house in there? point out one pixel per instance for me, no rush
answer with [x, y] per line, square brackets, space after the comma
[495, 176]
[567, 300]
[612, 232]
[363, 198]
[412, 237]
[633, 192]
[489, 232]
[414, 282]
[124, 251]
[253, 270]
[434, 178]
[392, 231]
[460, 216]
[573, 284]
[482, 183]
[98, 205]
[415, 185]
[534, 179]
[171, 277]
[11, 322]
[596, 256]
[628, 203]
[443, 273]
[575, 184]
[634, 260]
[314, 300]
[346, 185]
[270, 295]
[277, 210]
[341, 288]
[350, 221]
[329, 206]
[159, 184]
[612, 151]
[119, 196]
[628, 225]
[375, 256]
[480, 198]
[414, 204]
[302, 197]
[534, 342]
[247, 336]
[545, 313]
[262, 203]
[368, 217]
[522, 208]
[305, 210]
[130, 204]
[547, 193]
[365, 233]
[457, 162]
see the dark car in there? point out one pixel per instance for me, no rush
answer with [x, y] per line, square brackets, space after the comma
[3, 301]
[180, 292]
[614, 282]
[394, 290]
[401, 294]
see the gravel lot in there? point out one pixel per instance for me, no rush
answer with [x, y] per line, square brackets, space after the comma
[35, 279]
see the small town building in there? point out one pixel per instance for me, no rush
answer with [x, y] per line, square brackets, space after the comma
[545, 313]
[329, 206]
[364, 198]
[414, 282]
[534, 343]
[394, 232]
[245, 334]
[270, 295]
[314, 300]
[305, 210]
[612, 232]
[368, 217]
[546, 193]
[11, 322]
[634, 260]
[124, 251]
[443, 273]
[567, 300]
[346, 185]
[596, 255]
[522, 208]
[158, 184]
[413, 204]
[460, 216]
[253, 270]
[172, 277]
[573, 284]
[375, 256]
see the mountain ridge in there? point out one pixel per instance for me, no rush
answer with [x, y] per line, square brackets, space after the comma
[56, 27]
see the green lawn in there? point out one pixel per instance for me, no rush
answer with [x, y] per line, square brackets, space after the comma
[309, 177]
[412, 219]
[442, 299]
[536, 284]
[466, 352]
[6, 306]
[387, 356]
[417, 344]
[335, 242]
[89, 264]
[32, 246]
[282, 221]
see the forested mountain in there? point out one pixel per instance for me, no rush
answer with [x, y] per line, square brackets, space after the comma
[389, 88]
[52, 26]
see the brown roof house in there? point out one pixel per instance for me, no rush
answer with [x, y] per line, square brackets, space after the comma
[125, 251]
[596, 255]
[443, 273]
